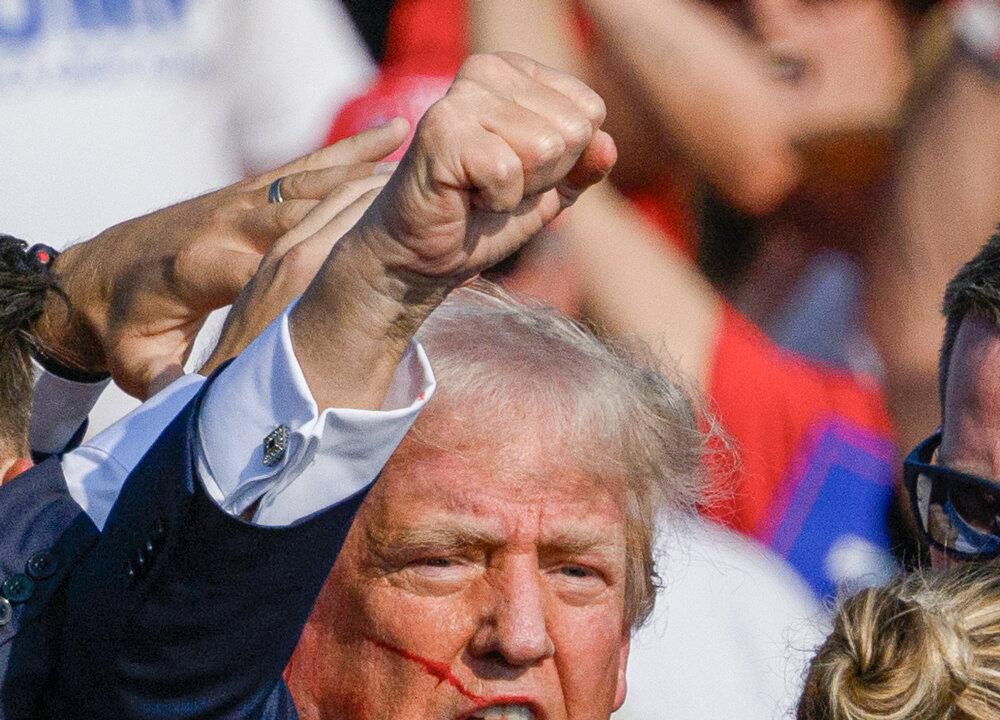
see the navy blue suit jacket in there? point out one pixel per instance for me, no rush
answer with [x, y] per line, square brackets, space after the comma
[175, 610]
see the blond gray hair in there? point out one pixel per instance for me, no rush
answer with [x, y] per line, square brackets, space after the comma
[605, 406]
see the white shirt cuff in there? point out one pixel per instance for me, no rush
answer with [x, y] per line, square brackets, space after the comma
[58, 409]
[96, 471]
[329, 456]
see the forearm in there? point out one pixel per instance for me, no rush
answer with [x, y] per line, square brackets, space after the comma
[540, 29]
[353, 325]
[635, 284]
[712, 94]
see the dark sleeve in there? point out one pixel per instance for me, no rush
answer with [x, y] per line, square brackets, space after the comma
[73, 444]
[44, 534]
[182, 610]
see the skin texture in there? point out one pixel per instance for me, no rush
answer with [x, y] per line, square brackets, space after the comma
[469, 580]
[508, 147]
[140, 291]
[970, 435]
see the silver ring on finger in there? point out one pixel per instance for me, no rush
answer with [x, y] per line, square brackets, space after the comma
[274, 191]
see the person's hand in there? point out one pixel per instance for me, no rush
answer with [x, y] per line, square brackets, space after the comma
[290, 265]
[140, 291]
[510, 145]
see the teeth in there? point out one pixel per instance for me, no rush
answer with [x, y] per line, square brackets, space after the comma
[504, 712]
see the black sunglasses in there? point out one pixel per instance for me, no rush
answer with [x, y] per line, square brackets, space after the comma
[958, 513]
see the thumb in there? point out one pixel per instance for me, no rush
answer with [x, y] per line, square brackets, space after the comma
[217, 283]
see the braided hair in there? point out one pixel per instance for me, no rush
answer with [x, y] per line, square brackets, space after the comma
[25, 283]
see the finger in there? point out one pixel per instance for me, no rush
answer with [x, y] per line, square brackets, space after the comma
[303, 259]
[479, 162]
[501, 235]
[267, 223]
[502, 80]
[219, 281]
[367, 146]
[317, 184]
[544, 153]
[492, 168]
[593, 166]
[583, 97]
[327, 210]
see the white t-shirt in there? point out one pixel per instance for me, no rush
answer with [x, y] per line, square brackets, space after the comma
[732, 633]
[110, 109]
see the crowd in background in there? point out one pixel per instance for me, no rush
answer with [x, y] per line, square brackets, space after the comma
[797, 182]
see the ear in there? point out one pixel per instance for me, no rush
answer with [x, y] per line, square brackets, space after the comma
[622, 687]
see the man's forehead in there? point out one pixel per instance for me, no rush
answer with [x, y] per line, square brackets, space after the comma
[971, 429]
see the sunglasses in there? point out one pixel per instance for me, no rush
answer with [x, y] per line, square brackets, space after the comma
[958, 513]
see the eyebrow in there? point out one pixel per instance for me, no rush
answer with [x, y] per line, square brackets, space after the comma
[451, 535]
[455, 535]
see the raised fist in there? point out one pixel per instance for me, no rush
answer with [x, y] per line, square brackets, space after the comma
[511, 144]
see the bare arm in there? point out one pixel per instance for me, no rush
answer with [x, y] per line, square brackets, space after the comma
[635, 284]
[713, 93]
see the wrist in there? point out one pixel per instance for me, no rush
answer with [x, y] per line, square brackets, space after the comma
[68, 344]
[354, 323]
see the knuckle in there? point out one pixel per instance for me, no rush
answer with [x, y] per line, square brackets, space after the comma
[481, 64]
[184, 262]
[546, 147]
[292, 185]
[594, 107]
[288, 215]
[299, 261]
[437, 118]
[576, 129]
[507, 170]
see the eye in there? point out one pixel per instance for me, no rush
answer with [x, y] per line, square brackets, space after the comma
[436, 562]
[576, 571]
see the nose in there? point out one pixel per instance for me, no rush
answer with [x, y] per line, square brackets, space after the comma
[513, 631]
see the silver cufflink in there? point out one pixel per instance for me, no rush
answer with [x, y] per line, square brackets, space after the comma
[275, 445]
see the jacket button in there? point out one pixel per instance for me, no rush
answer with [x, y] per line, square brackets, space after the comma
[6, 611]
[17, 588]
[128, 569]
[139, 563]
[159, 529]
[42, 565]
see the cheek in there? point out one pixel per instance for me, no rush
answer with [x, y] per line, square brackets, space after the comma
[436, 627]
[588, 662]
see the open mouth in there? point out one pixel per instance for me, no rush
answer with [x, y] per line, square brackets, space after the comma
[502, 712]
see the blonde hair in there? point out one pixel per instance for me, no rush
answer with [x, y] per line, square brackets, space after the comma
[604, 406]
[923, 647]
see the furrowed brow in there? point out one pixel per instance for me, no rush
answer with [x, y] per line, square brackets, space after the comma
[443, 536]
[580, 543]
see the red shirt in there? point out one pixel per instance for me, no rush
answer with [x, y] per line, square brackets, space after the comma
[816, 462]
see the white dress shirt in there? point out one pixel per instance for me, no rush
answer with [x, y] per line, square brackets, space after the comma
[330, 455]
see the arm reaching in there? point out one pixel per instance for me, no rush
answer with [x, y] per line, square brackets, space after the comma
[140, 291]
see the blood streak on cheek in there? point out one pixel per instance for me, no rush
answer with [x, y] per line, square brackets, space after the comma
[444, 674]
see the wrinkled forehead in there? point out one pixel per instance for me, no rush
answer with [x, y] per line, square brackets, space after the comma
[494, 495]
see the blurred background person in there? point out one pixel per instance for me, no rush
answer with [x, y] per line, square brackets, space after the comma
[924, 647]
[120, 107]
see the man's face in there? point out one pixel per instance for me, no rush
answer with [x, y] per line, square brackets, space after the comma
[970, 435]
[472, 587]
